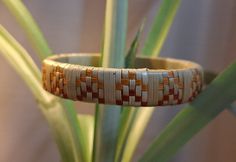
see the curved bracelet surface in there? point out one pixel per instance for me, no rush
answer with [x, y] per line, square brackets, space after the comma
[166, 81]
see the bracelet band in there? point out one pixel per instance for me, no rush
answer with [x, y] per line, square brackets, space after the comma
[166, 82]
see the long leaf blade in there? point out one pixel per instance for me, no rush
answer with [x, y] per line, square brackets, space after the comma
[212, 101]
[107, 116]
[126, 123]
[153, 44]
[209, 77]
[140, 121]
[160, 28]
[63, 122]
[115, 33]
[106, 129]
[87, 128]
[131, 55]
[30, 27]
[131, 117]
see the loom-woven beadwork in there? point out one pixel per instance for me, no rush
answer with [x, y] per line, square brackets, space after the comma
[135, 87]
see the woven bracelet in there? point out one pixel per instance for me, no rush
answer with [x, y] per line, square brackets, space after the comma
[163, 81]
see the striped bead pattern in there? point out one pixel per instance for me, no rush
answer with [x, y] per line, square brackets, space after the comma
[135, 87]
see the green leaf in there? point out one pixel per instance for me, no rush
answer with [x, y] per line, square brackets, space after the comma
[130, 57]
[62, 121]
[208, 77]
[87, 128]
[106, 129]
[126, 123]
[32, 30]
[29, 25]
[131, 116]
[115, 33]
[128, 139]
[132, 125]
[107, 116]
[153, 44]
[19, 59]
[22, 52]
[160, 28]
[63, 124]
[141, 118]
[211, 102]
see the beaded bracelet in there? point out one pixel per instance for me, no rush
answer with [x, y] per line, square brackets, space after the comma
[163, 81]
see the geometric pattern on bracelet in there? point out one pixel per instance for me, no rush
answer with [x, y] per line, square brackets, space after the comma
[131, 85]
[170, 88]
[131, 88]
